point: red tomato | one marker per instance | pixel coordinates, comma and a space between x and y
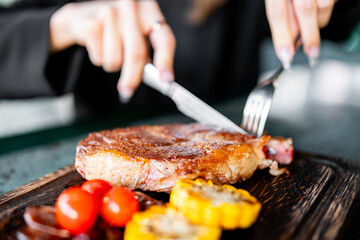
96, 187
118, 205
76, 210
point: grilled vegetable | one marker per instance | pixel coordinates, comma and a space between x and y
214, 205
165, 222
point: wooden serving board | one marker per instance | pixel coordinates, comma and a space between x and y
313, 202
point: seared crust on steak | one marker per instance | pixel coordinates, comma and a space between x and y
152, 158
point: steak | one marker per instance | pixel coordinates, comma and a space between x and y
152, 158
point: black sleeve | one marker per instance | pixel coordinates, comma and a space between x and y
26, 67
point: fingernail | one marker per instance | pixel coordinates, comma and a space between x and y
125, 95
313, 55
285, 58
167, 76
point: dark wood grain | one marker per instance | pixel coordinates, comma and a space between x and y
43, 191
311, 203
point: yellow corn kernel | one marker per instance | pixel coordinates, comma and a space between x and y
213, 205
165, 222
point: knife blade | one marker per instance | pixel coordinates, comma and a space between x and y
188, 103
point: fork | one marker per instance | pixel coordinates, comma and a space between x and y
259, 101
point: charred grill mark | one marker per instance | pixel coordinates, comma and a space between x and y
161, 142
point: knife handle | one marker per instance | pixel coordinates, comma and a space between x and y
151, 78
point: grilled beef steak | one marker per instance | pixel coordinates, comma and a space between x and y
152, 158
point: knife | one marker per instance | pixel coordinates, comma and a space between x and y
187, 102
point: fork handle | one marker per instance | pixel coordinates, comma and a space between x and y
280, 68
298, 42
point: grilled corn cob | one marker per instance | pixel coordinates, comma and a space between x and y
165, 222
214, 205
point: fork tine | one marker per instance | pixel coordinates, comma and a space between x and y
246, 112
256, 106
250, 114
257, 116
255, 113
263, 118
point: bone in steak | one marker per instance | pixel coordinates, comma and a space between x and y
152, 158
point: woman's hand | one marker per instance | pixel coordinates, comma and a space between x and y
114, 34
288, 18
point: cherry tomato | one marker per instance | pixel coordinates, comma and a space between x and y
118, 205
96, 187
76, 210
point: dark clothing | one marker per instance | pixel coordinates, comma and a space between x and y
216, 59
